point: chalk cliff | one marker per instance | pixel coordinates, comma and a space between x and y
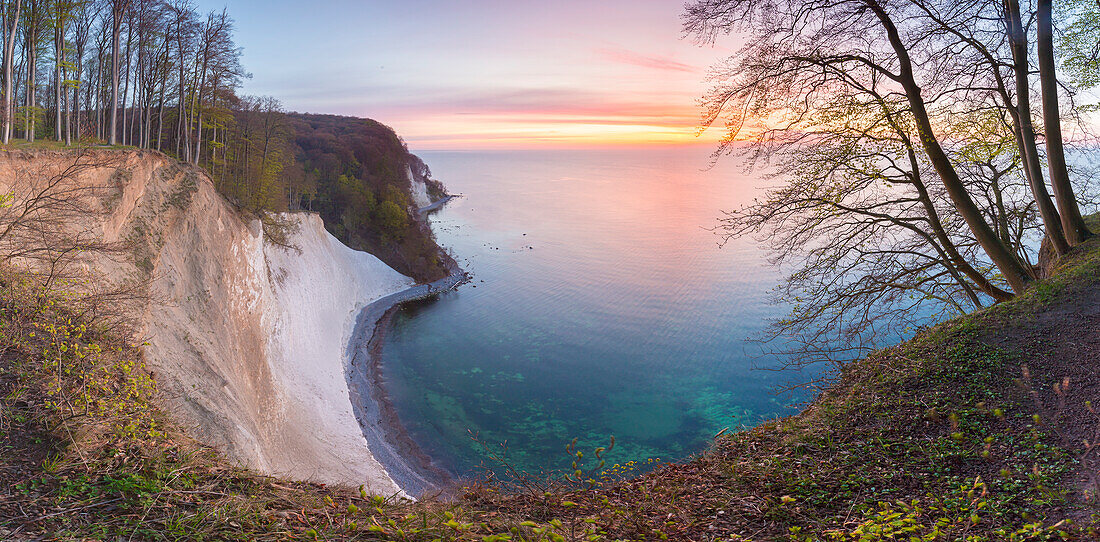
247, 340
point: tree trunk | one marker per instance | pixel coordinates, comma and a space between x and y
59, 58
163, 89
1015, 274
160, 111
99, 98
127, 135
74, 105
214, 150
202, 110
9, 55
116, 27
1072, 222
182, 91
31, 102
1032, 167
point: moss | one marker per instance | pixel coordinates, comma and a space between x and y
181, 197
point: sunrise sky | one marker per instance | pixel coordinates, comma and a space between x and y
483, 73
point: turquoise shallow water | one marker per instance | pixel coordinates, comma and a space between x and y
601, 305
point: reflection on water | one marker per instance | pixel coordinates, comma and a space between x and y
601, 305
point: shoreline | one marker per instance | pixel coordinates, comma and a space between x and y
387, 437
424, 211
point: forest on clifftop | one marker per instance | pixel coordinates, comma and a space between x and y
161, 75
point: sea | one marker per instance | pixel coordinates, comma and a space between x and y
604, 304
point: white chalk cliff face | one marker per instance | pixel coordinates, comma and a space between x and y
420, 195
247, 340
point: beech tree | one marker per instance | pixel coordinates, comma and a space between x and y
118, 11
32, 33
132, 72
968, 29
217, 69
257, 154
83, 19
1022, 110
1072, 221
11, 25
902, 134
801, 50
61, 14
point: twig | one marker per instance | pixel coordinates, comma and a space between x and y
93, 505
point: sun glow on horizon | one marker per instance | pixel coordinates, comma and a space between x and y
528, 131
488, 73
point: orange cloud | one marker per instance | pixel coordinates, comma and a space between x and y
527, 130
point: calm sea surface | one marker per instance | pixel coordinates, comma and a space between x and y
601, 305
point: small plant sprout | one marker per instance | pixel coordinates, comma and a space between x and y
579, 475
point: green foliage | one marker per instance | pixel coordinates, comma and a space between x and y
1079, 41
960, 514
350, 170
357, 171
257, 151
392, 219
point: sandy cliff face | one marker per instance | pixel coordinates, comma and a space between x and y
247, 340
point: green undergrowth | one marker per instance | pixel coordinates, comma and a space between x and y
85, 454
53, 144
938, 438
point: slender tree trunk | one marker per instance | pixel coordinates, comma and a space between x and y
21, 84
198, 131
116, 28
99, 98
208, 37
182, 93
1011, 268
214, 148
1002, 216
68, 114
71, 104
76, 106
202, 110
188, 148
9, 50
144, 67
160, 112
163, 78
1032, 167
1072, 222
59, 58
126, 135
5, 18
32, 71
68, 119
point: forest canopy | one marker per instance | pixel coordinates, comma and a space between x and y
356, 173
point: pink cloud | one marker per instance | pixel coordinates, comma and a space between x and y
656, 62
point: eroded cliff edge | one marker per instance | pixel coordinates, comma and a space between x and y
247, 340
